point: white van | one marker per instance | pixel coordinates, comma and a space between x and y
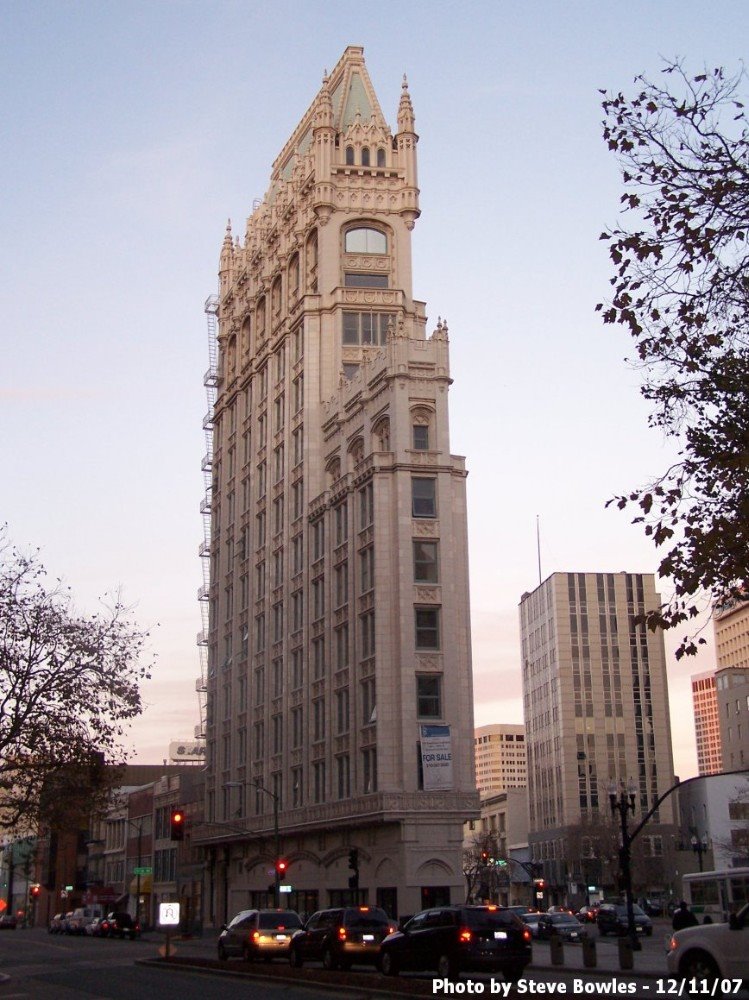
76, 922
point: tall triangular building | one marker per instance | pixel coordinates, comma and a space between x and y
339, 718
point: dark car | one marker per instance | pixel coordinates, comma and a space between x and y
121, 924
565, 925
587, 914
258, 934
7, 922
612, 919
455, 939
531, 920
341, 936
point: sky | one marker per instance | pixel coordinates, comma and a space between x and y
130, 132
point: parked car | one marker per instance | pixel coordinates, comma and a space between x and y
121, 925
56, 924
455, 939
98, 927
566, 925
612, 919
341, 936
67, 922
532, 919
587, 914
713, 952
8, 922
258, 933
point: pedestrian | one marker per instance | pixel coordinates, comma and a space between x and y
683, 917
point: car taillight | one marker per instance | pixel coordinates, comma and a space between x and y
464, 935
392, 929
527, 935
341, 933
256, 935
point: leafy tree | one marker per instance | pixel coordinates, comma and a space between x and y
681, 289
68, 683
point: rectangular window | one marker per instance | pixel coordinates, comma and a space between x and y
342, 711
259, 686
278, 413
366, 328
278, 622
341, 523
278, 464
297, 728
297, 610
427, 628
341, 584
369, 770
297, 787
297, 441
297, 500
318, 540
341, 647
420, 437
425, 562
298, 389
259, 633
366, 506
343, 768
318, 771
423, 497
318, 598
261, 479
366, 569
368, 701
318, 719
297, 669
259, 740
277, 733
351, 280
429, 696
278, 568
367, 635
260, 530
318, 658
278, 515
297, 555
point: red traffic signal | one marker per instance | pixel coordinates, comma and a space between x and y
34, 891
177, 824
281, 866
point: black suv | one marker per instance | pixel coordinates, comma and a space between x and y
121, 924
342, 936
454, 939
612, 918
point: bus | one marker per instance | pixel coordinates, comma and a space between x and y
716, 894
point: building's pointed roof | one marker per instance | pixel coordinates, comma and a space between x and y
351, 93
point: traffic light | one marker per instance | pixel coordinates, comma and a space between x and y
353, 859
34, 891
177, 824
540, 884
281, 867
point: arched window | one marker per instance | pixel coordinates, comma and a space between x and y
380, 157
232, 357
382, 434
246, 336
365, 156
365, 240
311, 262
260, 319
421, 429
293, 279
349, 156
275, 297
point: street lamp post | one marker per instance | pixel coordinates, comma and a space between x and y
699, 846
622, 800
276, 833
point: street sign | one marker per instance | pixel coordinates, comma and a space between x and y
68, 888
143, 871
286, 888
169, 914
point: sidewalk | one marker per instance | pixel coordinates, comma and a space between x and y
651, 961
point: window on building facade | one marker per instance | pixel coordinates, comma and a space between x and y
368, 701
426, 566
318, 773
420, 434
366, 240
423, 497
342, 711
380, 157
343, 769
297, 786
366, 506
366, 569
297, 669
318, 719
341, 523
318, 598
341, 584
369, 770
367, 280
277, 723
297, 727
365, 156
341, 646
367, 623
318, 658
367, 329
429, 696
427, 627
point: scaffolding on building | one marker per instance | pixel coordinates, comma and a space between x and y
210, 381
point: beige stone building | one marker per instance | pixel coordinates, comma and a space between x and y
596, 711
706, 723
339, 697
500, 757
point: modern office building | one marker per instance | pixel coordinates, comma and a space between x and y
339, 697
596, 715
706, 723
500, 757
731, 626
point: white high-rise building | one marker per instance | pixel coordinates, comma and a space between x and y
500, 757
339, 698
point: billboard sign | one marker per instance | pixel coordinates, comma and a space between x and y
181, 751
